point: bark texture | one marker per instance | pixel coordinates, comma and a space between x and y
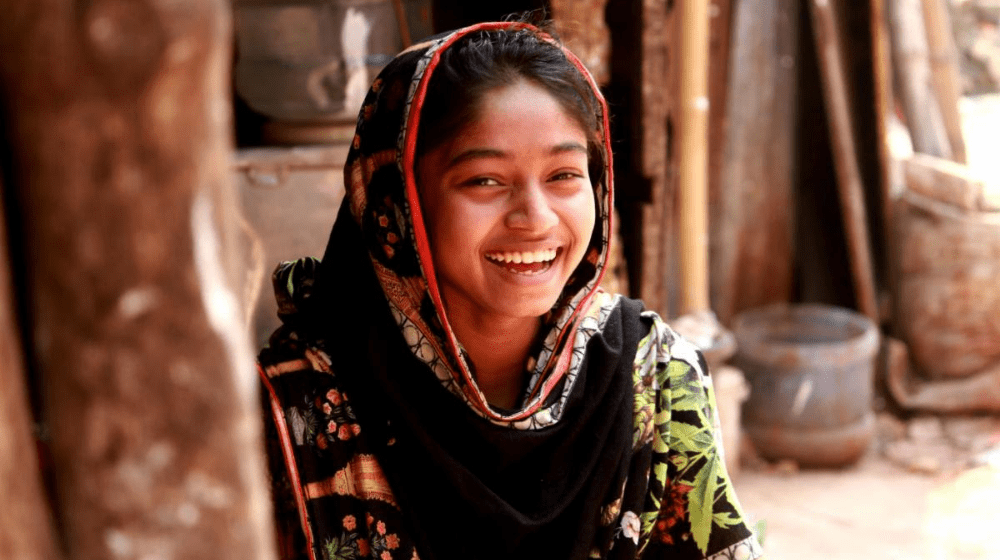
120, 128
25, 521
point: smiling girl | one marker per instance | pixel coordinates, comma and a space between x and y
450, 381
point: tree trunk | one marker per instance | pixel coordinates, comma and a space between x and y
121, 141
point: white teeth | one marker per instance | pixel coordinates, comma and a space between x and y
527, 257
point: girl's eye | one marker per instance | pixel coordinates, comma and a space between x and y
566, 176
482, 182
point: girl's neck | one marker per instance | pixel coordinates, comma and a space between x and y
498, 348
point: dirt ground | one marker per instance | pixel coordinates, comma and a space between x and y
927, 489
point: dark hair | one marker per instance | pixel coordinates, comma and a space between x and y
485, 60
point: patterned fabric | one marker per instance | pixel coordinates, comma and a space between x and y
381, 445
381, 185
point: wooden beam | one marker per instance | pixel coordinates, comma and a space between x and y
911, 61
659, 93
943, 55
121, 138
882, 86
849, 184
718, 94
25, 520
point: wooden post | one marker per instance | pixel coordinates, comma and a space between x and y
121, 138
882, 81
751, 214
849, 185
944, 73
693, 157
659, 58
25, 521
910, 54
718, 95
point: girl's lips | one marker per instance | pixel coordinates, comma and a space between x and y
524, 257
526, 269
525, 263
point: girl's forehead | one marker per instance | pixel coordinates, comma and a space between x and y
519, 114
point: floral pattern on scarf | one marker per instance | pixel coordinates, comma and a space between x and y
381, 187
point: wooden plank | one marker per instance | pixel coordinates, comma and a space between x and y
692, 176
121, 138
910, 53
849, 183
943, 55
882, 82
718, 81
658, 93
949, 182
26, 531
751, 216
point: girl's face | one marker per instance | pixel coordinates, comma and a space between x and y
509, 206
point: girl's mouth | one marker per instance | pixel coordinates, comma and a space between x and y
528, 263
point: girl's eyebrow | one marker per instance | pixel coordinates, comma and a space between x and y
570, 147
477, 153
491, 153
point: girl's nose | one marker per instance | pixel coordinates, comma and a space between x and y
532, 211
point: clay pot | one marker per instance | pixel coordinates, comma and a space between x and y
810, 369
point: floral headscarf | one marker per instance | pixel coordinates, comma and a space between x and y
384, 201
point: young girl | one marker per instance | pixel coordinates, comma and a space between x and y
450, 381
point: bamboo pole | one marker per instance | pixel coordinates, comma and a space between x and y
693, 156
121, 138
943, 56
849, 184
25, 520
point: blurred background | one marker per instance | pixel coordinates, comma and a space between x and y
810, 191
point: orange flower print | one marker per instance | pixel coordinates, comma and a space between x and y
386, 555
672, 512
333, 396
392, 541
321, 441
391, 238
380, 527
350, 523
363, 548
383, 221
327, 409
331, 428
369, 519
345, 432
356, 429
389, 251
